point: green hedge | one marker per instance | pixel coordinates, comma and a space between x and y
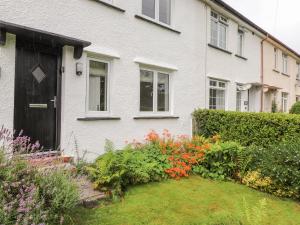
295, 108
261, 129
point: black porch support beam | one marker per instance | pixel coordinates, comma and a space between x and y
78, 50
2, 36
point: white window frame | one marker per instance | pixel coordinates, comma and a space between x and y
218, 88
284, 63
98, 113
156, 13
155, 79
221, 20
283, 100
275, 58
241, 42
238, 100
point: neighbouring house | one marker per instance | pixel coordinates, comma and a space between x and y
281, 74
75, 73
232, 60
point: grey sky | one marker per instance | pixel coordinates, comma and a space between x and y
281, 18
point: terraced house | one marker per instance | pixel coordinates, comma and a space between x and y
281, 74
84, 71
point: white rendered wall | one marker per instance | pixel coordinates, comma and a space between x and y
7, 80
130, 38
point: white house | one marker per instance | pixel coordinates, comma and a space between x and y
75, 73
232, 60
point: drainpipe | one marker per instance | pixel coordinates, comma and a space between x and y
262, 72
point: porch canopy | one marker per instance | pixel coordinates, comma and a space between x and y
42, 37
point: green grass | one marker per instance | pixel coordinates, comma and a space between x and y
192, 201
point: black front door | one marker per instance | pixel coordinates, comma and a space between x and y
36, 92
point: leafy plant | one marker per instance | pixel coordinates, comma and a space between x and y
278, 163
115, 170
295, 108
220, 162
59, 193
260, 129
29, 195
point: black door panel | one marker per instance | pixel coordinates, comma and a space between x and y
35, 90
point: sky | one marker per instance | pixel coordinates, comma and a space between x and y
281, 18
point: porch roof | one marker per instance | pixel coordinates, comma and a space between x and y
41, 36
270, 88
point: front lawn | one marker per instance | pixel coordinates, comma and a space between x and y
191, 201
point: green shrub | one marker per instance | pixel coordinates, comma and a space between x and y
261, 129
58, 192
220, 162
295, 108
115, 170
280, 163
29, 196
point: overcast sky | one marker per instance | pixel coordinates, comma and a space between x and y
281, 18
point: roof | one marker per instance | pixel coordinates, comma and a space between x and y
252, 24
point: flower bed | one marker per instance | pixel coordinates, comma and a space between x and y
160, 157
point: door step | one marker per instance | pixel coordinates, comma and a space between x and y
89, 197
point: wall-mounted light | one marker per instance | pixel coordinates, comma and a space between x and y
79, 69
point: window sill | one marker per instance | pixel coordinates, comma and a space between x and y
98, 118
221, 49
275, 70
144, 18
285, 74
155, 117
241, 57
111, 6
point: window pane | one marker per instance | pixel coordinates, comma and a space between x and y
220, 99
212, 98
275, 58
148, 8
214, 32
213, 83
97, 86
238, 100
165, 11
222, 35
240, 42
146, 91
222, 84
284, 102
162, 92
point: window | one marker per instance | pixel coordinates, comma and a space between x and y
284, 63
217, 94
298, 71
97, 85
238, 100
284, 101
154, 91
240, 42
298, 98
159, 10
275, 58
218, 30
